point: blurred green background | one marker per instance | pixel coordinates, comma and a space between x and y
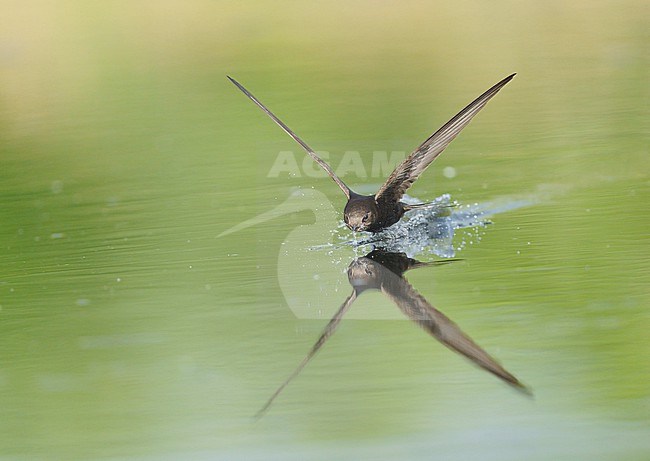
130, 330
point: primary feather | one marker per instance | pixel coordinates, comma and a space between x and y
410, 169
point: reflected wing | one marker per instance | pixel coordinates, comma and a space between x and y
410, 169
416, 308
327, 332
309, 150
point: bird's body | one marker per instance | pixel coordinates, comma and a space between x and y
373, 213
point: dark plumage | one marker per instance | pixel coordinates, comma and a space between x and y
372, 213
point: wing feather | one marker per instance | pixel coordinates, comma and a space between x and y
410, 169
303, 144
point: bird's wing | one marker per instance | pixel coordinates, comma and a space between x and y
438, 325
309, 150
410, 169
325, 335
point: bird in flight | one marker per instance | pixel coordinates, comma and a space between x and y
373, 213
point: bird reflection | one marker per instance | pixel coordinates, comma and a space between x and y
384, 271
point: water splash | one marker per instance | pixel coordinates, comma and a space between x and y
432, 230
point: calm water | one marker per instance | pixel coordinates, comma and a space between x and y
133, 326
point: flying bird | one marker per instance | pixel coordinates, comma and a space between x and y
372, 213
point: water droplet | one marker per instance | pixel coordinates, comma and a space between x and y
449, 172
57, 186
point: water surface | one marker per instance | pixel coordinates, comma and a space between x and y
130, 328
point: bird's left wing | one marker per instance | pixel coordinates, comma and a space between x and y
410, 169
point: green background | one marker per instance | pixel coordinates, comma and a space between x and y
130, 330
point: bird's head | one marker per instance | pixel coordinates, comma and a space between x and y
360, 214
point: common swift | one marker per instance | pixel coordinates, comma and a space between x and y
384, 271
372, 213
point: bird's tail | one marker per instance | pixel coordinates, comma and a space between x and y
429, 205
